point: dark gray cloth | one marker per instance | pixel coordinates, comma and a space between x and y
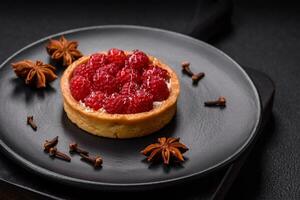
266, 37
25, 22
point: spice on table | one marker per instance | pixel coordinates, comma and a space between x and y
221, 102
31, 123
186, 68
195, 77
53, 152
63, 50
35, 73
166, 148
73, 147
50, 143
95, 161
198, 77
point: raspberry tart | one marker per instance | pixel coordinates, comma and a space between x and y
120, 94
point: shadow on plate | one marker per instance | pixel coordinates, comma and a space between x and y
19, 88
109, 146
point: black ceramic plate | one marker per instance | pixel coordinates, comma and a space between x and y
215, 136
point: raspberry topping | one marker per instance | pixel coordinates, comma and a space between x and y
111, 68
117, 103
129, 88
80, 87
157, 87
128, 74
116, 56
155, 71
95, 100
119, 83
142, 102
84, 70
97, 60
138, 60
104, 82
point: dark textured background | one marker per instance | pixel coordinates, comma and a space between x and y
265, 35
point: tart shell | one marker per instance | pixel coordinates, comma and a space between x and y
119, 125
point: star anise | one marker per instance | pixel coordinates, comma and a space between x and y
63, 50
166, 148
36, 74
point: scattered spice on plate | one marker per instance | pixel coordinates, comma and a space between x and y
50, 143
220, 102
35, 73
31, 123
96, 161
166, 148
73, 148
53, 152
195, 77
63, 50
50, 148
186, 68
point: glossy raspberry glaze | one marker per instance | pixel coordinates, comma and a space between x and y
119, 83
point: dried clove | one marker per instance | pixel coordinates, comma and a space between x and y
198, 77
53, 152
73, 147
31, 123
186, 68
50, 143
195, 77
221, 102
95, 161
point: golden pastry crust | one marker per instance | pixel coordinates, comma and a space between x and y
119, 125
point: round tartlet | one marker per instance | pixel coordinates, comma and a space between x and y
120, 125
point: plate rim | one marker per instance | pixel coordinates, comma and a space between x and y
46, 173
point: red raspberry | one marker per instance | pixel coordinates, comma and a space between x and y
97, 60
80, 87
126, 64
116, 56
138, 59
113, 82
84, 70
142, 101
129, 88
111, 68
104, 82
128, 74
95, 100
155, 71
157, 87
117, 104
